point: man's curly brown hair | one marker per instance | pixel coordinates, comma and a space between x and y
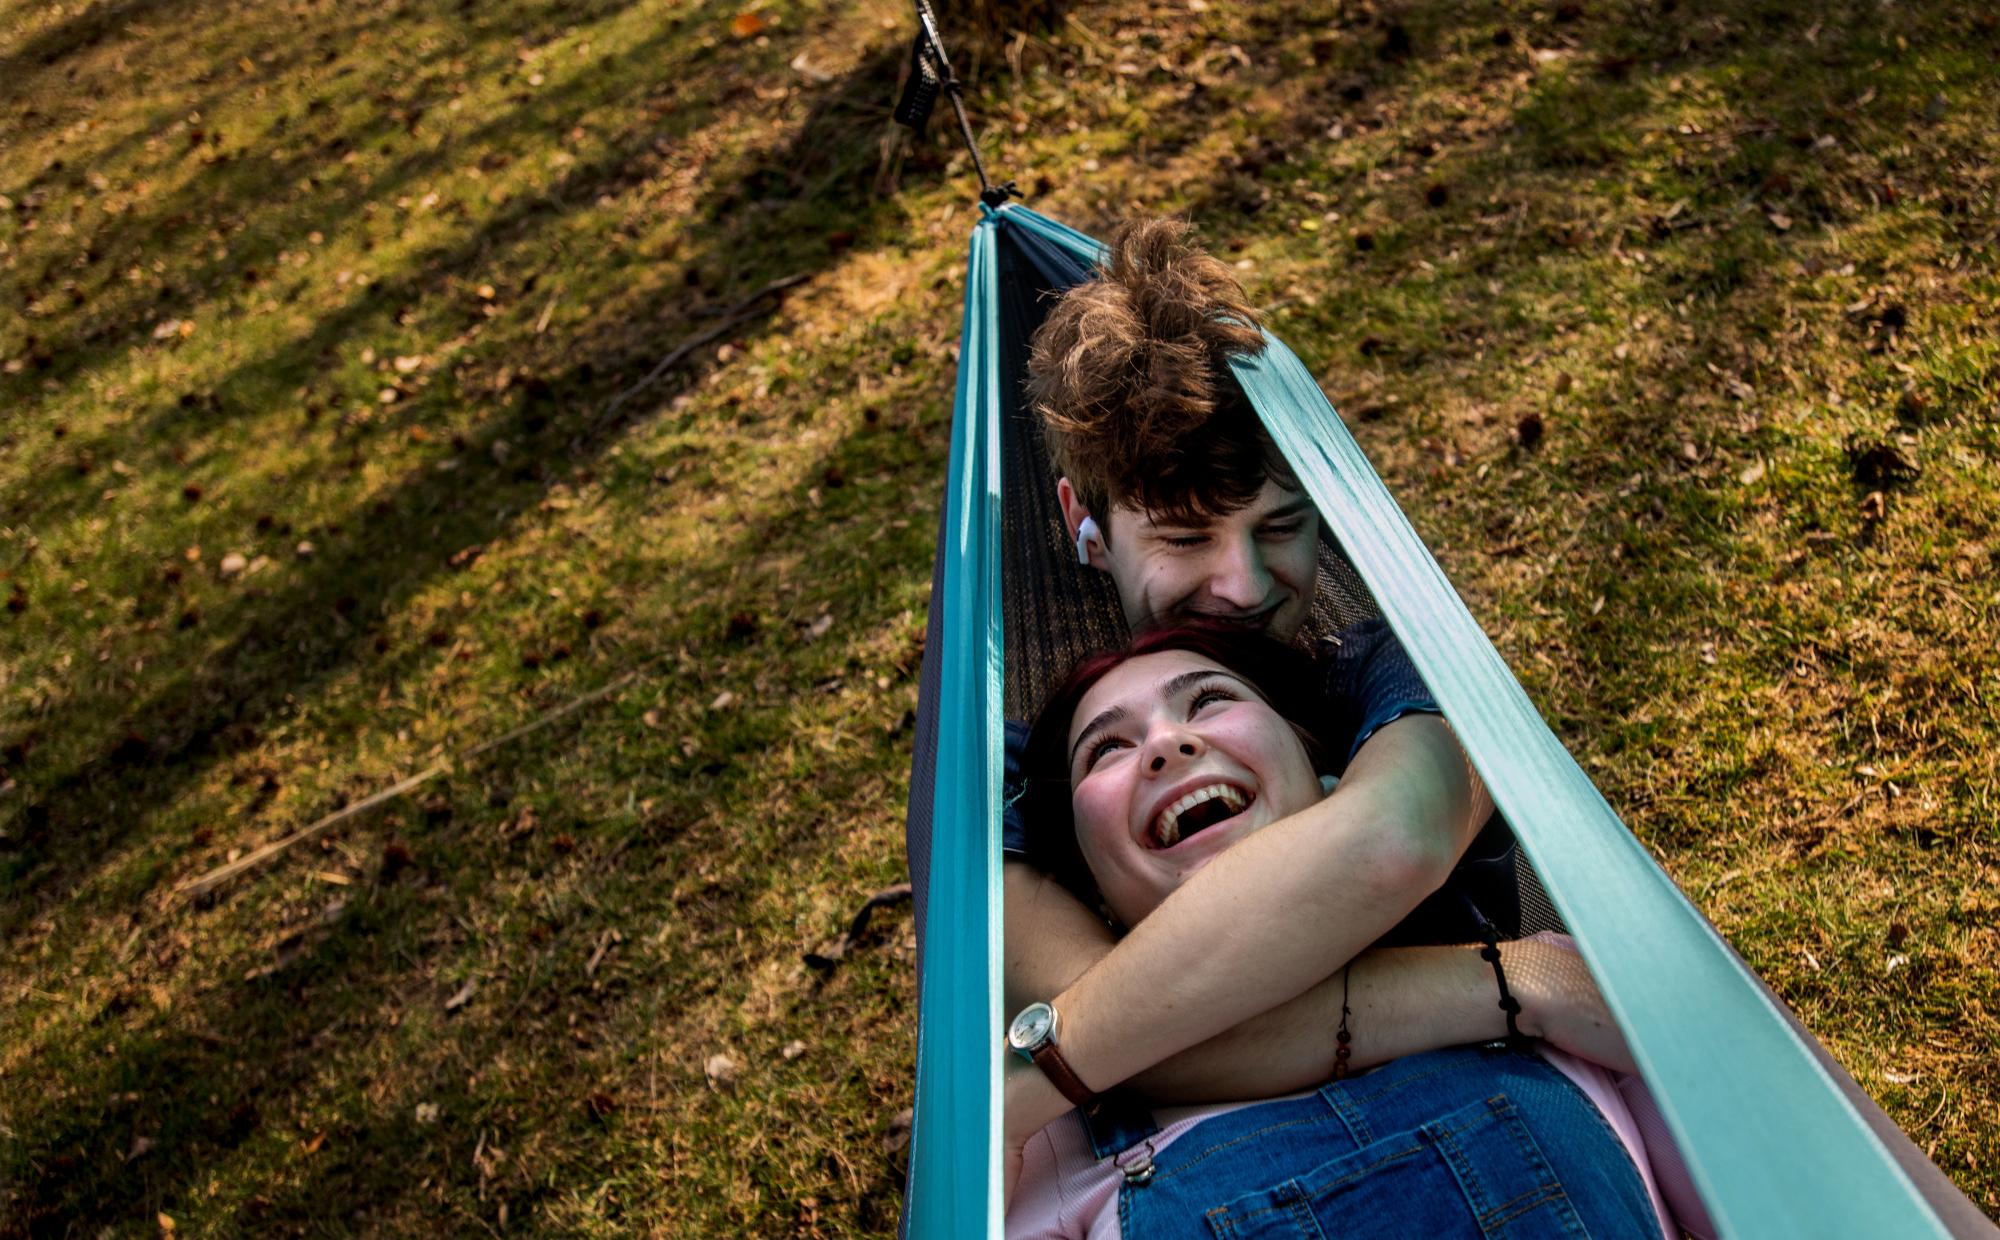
1130, 376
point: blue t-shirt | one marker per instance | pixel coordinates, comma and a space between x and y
1367, 675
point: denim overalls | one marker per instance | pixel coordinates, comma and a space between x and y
1471, 1141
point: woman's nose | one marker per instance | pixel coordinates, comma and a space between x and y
1165, 746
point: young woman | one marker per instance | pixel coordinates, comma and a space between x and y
1147, 765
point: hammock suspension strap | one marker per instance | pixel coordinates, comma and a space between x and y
930, 73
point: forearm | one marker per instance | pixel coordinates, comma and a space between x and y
1402, 1001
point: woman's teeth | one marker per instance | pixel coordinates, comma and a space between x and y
1168, 830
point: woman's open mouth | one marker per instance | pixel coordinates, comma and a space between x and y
1197, 811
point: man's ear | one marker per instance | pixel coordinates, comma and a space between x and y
1073, 511
1083, 530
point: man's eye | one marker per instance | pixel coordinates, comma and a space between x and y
1186, 541
1286, 530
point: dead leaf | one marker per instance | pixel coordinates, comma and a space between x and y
818, 628
723, 701
651, 718
140, 1146
1754, 473
721, 1072
233, 563
809, 71
898, 1134
312, 1144
793, 1049
427, 1113
1779, 220
463, 996
746, 25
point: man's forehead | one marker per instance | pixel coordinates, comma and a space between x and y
1273, 503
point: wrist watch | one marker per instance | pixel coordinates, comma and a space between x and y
1032, 1036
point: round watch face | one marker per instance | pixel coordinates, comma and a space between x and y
1031, 1026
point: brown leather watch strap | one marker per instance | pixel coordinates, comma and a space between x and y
1057, 1069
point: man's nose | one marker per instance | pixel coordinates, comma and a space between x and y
1241, 578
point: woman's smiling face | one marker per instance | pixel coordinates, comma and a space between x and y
1172, 759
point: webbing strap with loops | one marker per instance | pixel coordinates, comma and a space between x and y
1775, 1147
930, 73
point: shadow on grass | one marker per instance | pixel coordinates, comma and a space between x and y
166, 1100
767, 217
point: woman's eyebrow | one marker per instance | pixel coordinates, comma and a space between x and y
1172, 689
1104, 719
1180, 684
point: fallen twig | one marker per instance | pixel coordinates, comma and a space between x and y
208, 882
737, 315
825, 959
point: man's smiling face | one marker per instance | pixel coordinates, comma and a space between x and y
1256, 566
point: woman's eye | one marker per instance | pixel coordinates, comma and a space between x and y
1098, 750
1209, 695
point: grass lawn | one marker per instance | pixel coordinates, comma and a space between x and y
1672, 325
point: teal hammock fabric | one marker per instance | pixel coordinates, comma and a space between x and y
955, 1141
1780, 1143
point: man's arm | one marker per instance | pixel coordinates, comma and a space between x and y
1255, 929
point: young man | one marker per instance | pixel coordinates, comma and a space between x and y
1171, 486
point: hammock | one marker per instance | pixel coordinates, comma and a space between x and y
1779, 1139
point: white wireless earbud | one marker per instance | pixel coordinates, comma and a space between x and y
1086, 530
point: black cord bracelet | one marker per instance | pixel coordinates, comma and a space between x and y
1342, 1038
1491, 954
